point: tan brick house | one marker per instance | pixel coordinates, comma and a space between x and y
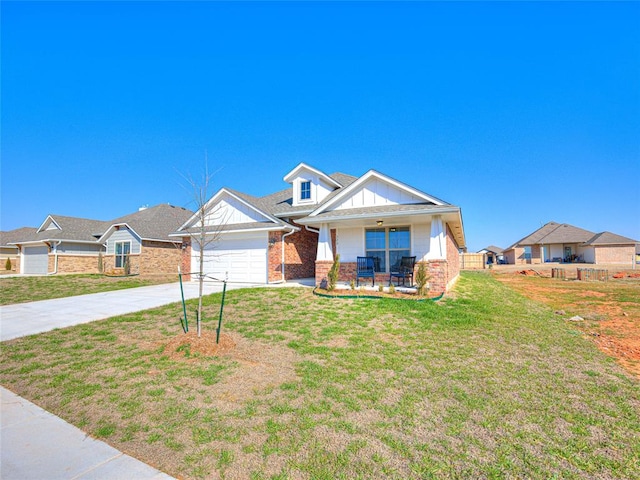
561, 242
78, 245
296, 232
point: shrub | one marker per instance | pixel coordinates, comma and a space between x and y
422, 277
333, 273
392, 289
127, 266
7, 264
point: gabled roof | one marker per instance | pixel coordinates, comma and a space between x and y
555, 233
608, 238
73, 229
154, 223
289, 177
13, 236
332, 200
492, 249
252, 202
280, 204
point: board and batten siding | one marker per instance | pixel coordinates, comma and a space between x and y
230, 211
123, 235
377, 193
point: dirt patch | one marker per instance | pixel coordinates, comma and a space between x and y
258, 366
189, 345
611, 310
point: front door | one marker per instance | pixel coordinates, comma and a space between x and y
567, 253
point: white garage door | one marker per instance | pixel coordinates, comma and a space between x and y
35, 260
243, 257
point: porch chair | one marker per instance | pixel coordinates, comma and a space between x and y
365, 269
403, 271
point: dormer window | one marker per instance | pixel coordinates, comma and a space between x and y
305, 190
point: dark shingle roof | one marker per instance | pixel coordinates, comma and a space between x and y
493, 249
554, 233
73, 228
19, 234
155, 223
608, 238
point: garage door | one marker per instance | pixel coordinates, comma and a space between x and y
243, 258
35, 260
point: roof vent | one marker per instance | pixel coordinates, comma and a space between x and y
143, 207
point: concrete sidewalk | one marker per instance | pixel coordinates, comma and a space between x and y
36, 444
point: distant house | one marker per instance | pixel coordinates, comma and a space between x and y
561, 242
494, 254
78, 245
11, 251
298, 231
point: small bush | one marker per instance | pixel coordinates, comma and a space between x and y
422, 277
381, 288
352, 284
392, 289
7, 264
333, 273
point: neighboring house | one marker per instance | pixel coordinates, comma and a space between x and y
494, 254
296, 232
561, 242
10, 251
78, 245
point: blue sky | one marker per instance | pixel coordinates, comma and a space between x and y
519, 113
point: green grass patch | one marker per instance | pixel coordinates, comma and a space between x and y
30, 289
484, 384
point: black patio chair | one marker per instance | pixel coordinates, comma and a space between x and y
365, 269
403, 271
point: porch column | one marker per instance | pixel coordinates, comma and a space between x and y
324, 244
437, 245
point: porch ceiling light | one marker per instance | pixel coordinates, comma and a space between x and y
379, 222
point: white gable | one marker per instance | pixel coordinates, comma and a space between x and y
319, 185
49, 224
377, 193
229, 210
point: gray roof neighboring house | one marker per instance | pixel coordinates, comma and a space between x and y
563, 233
154, 223
608, 238
492, 249
7, 238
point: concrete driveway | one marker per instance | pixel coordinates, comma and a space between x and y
36, 317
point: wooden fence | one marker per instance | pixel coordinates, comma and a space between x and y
471, 261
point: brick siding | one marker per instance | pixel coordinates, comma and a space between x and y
300, 250
616, 254
74, 263
159, 258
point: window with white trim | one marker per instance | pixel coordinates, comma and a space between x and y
305, 190
122, 250
387, 246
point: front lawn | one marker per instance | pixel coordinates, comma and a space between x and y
30, 289
485, 384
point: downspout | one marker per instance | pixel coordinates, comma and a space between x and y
55, 256
283, 237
